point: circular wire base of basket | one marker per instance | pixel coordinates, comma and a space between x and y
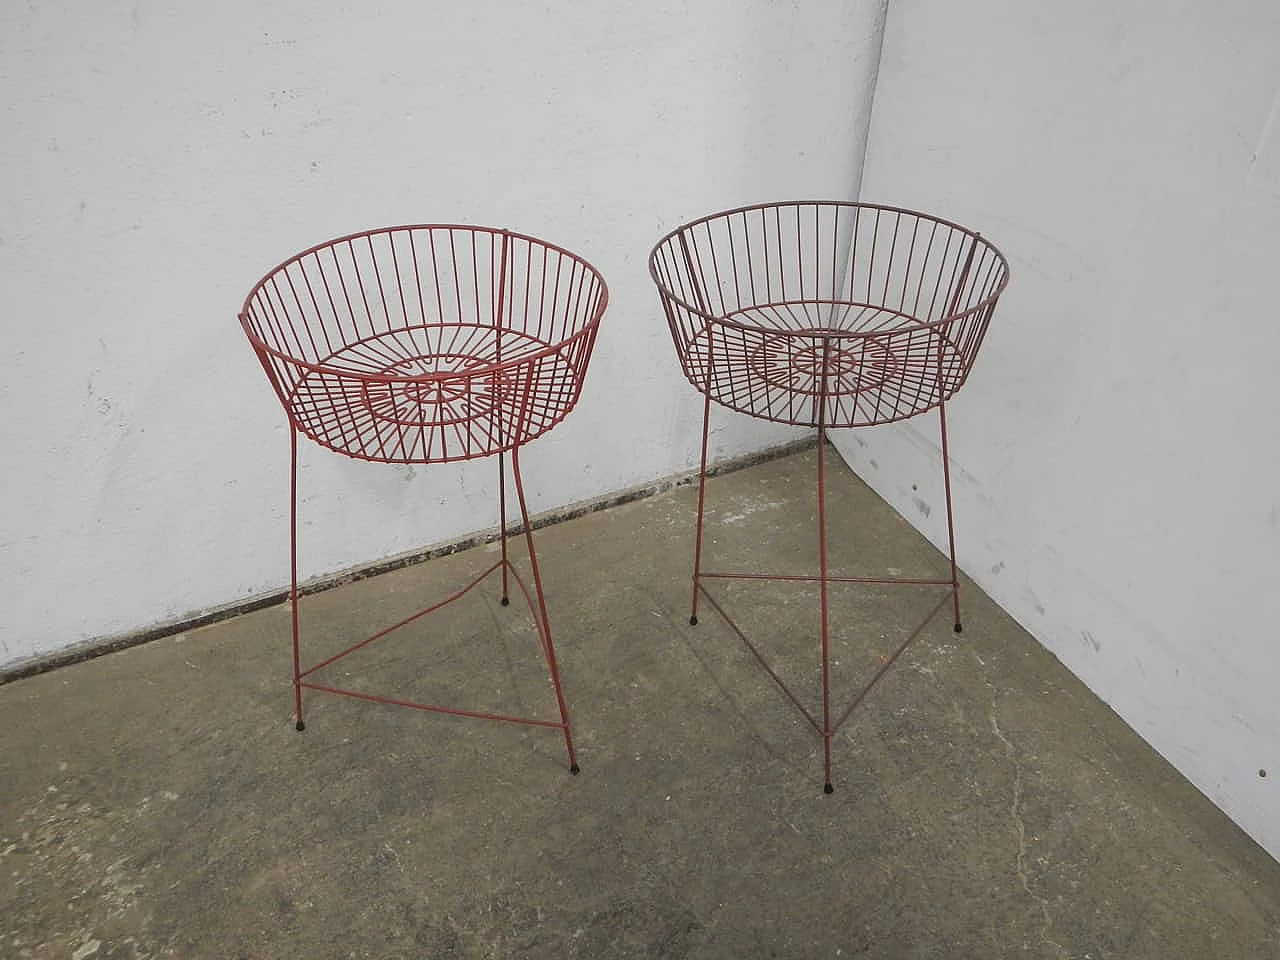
434, 393
779, 362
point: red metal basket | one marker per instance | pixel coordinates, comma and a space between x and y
826, 314
820, 312
429, 343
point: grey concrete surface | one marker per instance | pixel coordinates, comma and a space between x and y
158, 803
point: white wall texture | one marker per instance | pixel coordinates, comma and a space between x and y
1117, 469
157, 159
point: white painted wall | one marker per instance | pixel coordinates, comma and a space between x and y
1118, 481
158, 158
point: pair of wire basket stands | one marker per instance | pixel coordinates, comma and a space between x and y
438, 343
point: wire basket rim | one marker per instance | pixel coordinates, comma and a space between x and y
819, 333
491, 369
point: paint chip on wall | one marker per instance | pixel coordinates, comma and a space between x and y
1264, 169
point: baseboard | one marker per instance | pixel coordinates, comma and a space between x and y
100, 646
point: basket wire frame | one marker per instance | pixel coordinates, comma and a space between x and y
828, 315
429, 343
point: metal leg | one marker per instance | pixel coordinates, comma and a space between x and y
544, 623
702, 498
502, 526
951, 528
823, 596
293, 574
823, 602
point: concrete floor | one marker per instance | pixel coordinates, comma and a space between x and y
158, 802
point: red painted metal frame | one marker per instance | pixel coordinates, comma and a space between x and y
830, 315
428, 343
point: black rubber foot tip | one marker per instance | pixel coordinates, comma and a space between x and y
575, 769
299, 726
693, 621
828, 788
959, 628
506, 601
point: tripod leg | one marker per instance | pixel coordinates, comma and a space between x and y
544, 623
293, 575
823, 602
502, 525
702, 499
951, 528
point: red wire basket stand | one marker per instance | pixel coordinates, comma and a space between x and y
827, 315
428, 344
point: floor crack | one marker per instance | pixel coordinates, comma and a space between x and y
1015, 812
